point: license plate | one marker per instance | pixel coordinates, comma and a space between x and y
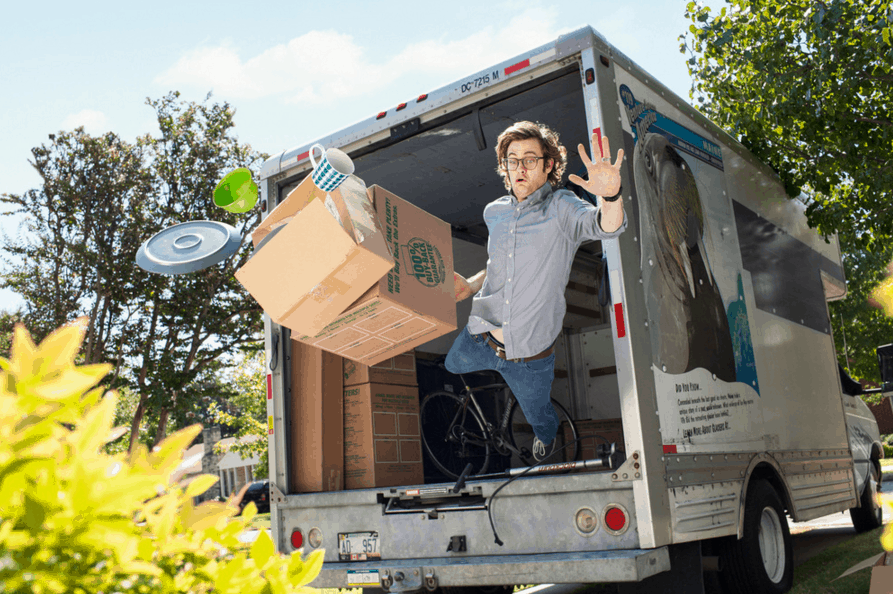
359, 546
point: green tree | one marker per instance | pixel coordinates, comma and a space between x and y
79, 227
191, 322
245, 410
806, 86
100, 199
8, 322
859, 327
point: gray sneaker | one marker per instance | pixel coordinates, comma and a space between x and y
540, 449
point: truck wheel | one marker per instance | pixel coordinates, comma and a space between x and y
870, 515
762, 561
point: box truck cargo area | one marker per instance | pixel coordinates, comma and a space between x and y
698, 342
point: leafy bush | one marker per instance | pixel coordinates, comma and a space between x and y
888, 451
75, 519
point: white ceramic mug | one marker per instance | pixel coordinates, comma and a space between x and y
333, 167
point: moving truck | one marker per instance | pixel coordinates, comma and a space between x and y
710, 352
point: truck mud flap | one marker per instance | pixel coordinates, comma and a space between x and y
409, 575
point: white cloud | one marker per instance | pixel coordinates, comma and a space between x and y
94, 122
324, 66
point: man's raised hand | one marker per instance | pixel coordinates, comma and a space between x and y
604, 178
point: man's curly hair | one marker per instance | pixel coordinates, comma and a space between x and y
552, 149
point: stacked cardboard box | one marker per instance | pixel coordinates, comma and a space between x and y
317, 413
382, 441
610, 429
400, 370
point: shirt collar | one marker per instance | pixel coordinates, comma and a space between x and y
540, 194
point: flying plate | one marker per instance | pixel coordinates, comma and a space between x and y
188, 247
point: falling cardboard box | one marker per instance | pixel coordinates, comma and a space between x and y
315, 255
412, 304
382, 441
608, 430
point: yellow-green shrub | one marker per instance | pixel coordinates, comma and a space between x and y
74, 519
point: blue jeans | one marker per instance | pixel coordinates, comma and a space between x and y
530, 382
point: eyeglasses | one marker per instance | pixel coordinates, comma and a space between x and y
529, 163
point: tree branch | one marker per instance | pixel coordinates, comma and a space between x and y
873, 121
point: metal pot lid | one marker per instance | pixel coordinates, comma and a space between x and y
188, 247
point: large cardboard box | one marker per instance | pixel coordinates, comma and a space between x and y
382, 441
398, 370
315, 255
413, 303
610, 429
317, 412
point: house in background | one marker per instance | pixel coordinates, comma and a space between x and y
233, 471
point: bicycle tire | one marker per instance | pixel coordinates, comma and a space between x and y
521, 435
451, 456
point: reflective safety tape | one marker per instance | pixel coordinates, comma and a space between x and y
618, 315
530, 61
617, 293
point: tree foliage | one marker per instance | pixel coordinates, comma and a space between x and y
78, 520
100, 199
8, 322
860, 327
807, 86
246, 410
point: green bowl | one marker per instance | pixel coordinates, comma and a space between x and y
236, 192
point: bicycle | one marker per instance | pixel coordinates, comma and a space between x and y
455, 431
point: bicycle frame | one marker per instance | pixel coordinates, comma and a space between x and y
496, 435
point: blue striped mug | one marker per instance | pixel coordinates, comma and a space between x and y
333, 167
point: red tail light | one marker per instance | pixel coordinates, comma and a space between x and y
297, 539
616, 519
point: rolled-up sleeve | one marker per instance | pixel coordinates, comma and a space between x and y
580, 220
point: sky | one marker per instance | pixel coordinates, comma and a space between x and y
294, 71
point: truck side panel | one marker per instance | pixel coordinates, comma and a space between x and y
735, 308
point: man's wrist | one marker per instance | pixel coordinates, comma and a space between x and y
615, 197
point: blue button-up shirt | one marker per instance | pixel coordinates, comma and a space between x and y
531, 248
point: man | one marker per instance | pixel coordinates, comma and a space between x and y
535, 231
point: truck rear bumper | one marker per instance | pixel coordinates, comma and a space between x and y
630, 565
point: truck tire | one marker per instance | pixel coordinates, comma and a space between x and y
762, 561
870, 515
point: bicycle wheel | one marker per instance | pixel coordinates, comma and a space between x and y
522, 436
454, 434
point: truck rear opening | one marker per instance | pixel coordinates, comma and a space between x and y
447, 167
